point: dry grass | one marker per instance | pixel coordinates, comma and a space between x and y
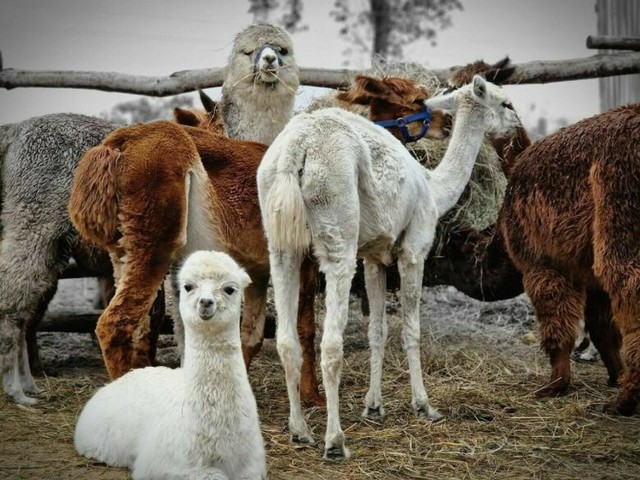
481, 369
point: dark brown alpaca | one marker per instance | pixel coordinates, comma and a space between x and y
570, 221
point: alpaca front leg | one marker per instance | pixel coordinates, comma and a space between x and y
411, 268
376, 285
338, 275
285, 276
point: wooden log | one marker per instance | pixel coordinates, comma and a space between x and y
600, 65
82, 321
611, 42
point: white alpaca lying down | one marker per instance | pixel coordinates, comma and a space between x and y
195, 422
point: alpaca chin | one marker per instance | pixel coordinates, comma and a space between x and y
268, 77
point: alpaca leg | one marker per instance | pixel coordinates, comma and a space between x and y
30, 264
173, 291
253, 315
559, 307
24, 370
376, 284
123, 327
156, 320
338, 270
285, 276
411, 268
603, 333
307, 333
35, 364
626, 312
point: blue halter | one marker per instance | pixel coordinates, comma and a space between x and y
401, 123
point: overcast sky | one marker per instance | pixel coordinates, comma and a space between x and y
158, 37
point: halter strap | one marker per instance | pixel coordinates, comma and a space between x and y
401, 123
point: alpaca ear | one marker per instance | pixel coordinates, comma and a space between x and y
479, 86
185, 117
208, 104
243, 279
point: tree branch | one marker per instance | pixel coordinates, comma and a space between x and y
601, 65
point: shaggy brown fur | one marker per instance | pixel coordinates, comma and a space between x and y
496, 73
570, 221
109, 207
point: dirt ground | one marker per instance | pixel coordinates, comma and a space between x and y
482, 366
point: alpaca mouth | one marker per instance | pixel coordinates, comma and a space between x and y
268, 75
206, 313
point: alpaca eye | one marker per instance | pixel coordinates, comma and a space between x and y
248, 52
229, 290
507, 105
187, 287
283, 51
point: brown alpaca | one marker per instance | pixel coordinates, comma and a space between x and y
570, 221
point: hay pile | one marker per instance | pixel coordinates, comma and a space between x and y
481, 370
481, 200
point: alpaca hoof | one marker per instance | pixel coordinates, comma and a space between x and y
373, 413
553, 389
335, 454
23, 399
35, 390
303, 439
624, 408
425, 411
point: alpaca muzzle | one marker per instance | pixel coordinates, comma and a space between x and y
206, 308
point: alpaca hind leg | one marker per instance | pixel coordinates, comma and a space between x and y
123, 327
33, 352
626, 311
173, 303
603, 333
559, 307
253, 315
307, 333
338, 269
376, 284
285, 276
30, 264
156, 321
411, 268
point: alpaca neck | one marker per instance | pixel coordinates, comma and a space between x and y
448, 180
214, 371
477, 264
257, 114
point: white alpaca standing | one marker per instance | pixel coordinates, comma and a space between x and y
195, 422
338, 183
260, 84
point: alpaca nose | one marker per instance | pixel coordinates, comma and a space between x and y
206, 308
269, 58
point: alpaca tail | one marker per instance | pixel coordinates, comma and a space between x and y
93, 206
284, 210
201, 233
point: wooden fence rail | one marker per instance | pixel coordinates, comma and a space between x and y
600, 65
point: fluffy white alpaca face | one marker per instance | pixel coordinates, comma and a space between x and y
211, 286
503, 117
498, 109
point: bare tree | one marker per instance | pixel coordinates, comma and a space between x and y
383, 28
393, 24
